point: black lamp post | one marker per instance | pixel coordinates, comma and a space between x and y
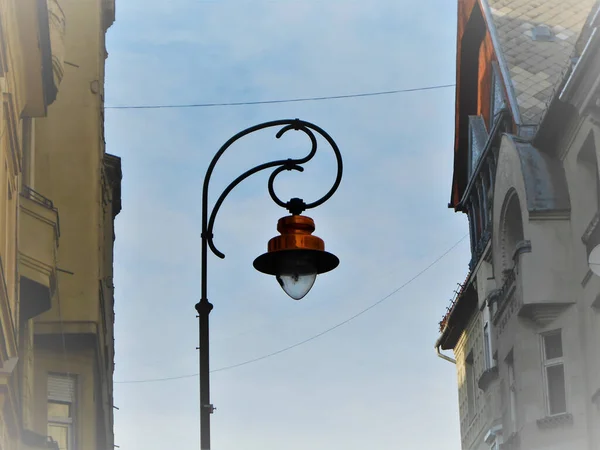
295, 257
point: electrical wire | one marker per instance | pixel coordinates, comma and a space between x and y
312, 338
289, 100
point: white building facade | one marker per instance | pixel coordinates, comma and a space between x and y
525, 326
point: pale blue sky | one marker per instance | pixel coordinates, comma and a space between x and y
374, 383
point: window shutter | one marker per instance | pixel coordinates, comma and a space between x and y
61, 388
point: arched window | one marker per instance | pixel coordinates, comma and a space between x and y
511, 231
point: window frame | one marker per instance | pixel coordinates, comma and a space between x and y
553, 362
59, 421
487, 346
66, 422
471, 387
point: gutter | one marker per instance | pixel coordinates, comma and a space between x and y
510, 90
577, 71
441, 355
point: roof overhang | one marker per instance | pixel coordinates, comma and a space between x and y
112, 164
458, 317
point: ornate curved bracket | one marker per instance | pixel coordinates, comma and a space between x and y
295, 205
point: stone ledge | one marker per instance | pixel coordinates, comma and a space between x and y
487, 378
555, 421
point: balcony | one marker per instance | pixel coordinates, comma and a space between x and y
532, 289
38, 242
57, 22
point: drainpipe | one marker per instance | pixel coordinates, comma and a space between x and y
442, 356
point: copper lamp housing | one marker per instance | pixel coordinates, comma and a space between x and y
296, 256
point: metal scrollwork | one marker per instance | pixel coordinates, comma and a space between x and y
295, 205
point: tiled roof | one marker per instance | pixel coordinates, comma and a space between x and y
536, 66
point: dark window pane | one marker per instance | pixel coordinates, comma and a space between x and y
556, 389
553, 345
471, 391
498, 99
478, 137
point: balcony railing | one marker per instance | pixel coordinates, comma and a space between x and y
40, 199
29, 193
480, 246
478, 195
457, 294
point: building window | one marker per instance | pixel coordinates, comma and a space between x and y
478, 137
61, 405
554, 373
471, 386
498, 103
28, 148
487, 346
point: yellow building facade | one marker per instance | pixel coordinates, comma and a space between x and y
59, 195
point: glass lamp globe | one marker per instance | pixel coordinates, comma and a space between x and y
296, 257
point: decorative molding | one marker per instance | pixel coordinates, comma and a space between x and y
555, 421
558, 214
502, 317
543, 314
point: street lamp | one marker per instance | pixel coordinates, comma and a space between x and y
295, 257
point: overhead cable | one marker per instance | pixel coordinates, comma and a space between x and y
312, 338
289, 100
